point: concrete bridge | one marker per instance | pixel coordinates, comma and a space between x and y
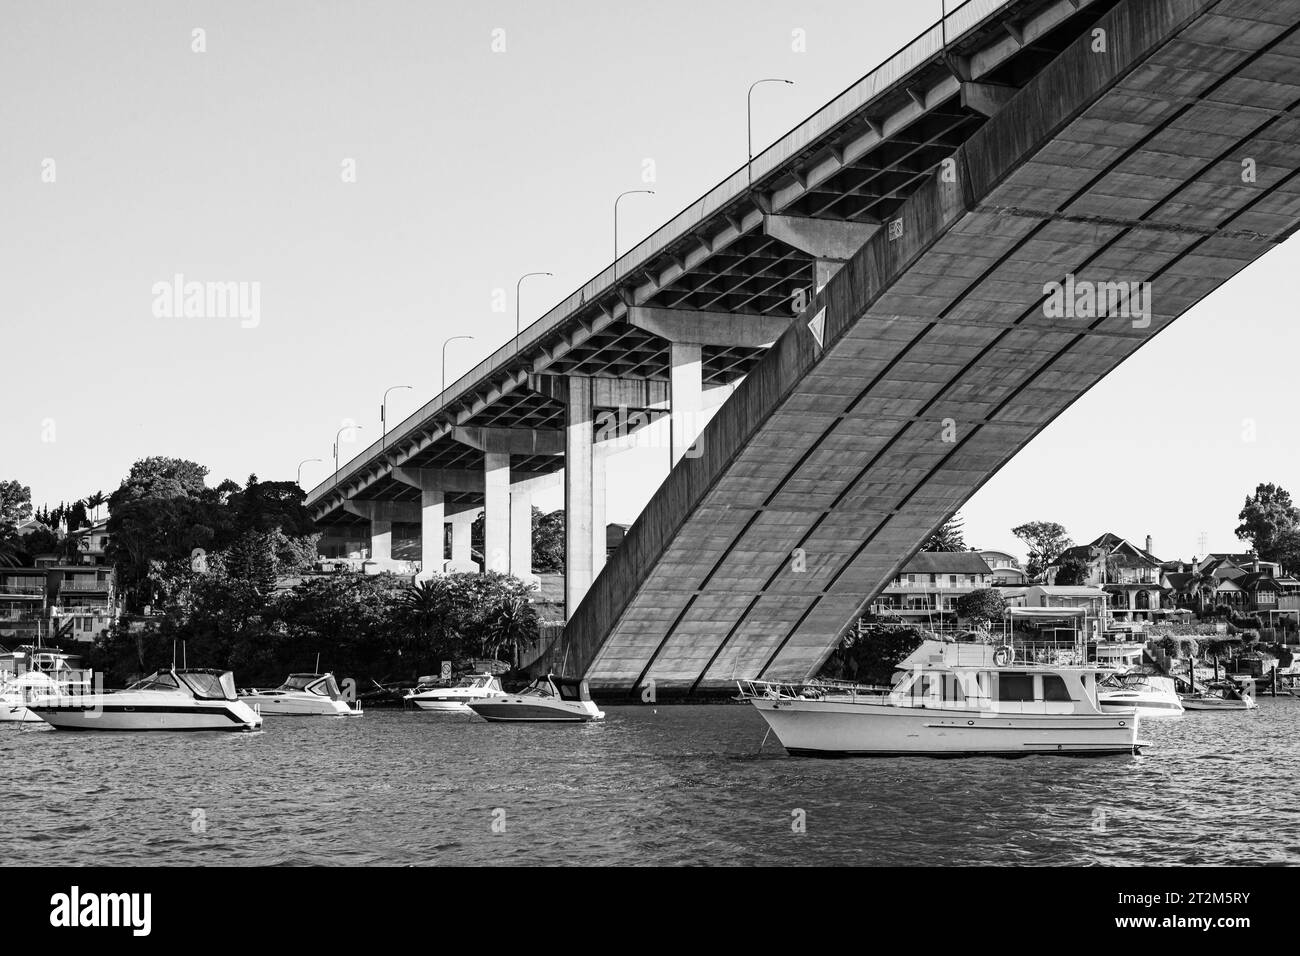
897, 297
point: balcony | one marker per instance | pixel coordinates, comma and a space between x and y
85, 586
12, 586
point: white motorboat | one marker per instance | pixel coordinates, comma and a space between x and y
951, 700
548, 699
169, 699
1221, 696
1151, 694
32, 672
457, 698
302, 695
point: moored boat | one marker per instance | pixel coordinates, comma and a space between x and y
457, 698
548, 699
168, 700
1151, 694
32, 672
302, 695
1220, 696
950, 700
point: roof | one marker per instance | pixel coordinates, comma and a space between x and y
1179, 580
1258, 581
946, 562
1110, 543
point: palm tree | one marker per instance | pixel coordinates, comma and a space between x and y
10, 551
515, 622
93, 502
424, 616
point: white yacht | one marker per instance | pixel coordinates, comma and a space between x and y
950, 700
1151, 694
457, 698
170, 699
548, 699
302, 695
32, 672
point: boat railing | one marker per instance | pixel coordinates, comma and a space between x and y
808, 690
1047, 654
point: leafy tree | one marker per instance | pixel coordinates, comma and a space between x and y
15, 503
1269, 522
982, 606
947, 538
161, 477
1045, 541
872, 655
1072, 571
548, 542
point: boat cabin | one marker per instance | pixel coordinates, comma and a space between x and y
563, 688
322, 685
200, 683
977, 676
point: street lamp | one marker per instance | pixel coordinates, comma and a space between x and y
443, 387
383, 414
629, 192
517, 285
336, 449
749, 118
300, 464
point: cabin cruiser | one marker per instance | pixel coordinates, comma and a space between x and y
302, 695
548, 699
169, 699
1151, 694
457, 698
1220, 696
951, 700
32, 672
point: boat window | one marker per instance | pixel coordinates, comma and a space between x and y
1054, 688
1012, 686
158, 681
298, 682
206, 686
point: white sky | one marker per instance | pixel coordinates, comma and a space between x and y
472, 168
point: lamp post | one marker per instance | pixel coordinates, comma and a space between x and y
300, 464
749, 118
336, 449
629, 192
518, 328
442, 387
383, 414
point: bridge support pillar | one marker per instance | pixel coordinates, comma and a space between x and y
461, 557
686, 375
579, 472
382, 515
496, 511
381, 540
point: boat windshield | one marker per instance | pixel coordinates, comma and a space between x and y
160, 680
538, 688
210, 685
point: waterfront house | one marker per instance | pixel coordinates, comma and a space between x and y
1007, 571
1132, 577
926, 590
22, 605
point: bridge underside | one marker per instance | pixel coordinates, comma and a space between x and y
941, 355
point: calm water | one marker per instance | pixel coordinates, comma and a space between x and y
677, 785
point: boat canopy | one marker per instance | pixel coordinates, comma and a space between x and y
570, 688
323, 685
202, 683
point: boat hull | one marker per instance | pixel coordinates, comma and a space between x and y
833, 729
535, 713
1147, 708
14, 712
1211, 704
228, 716
443, 706
272, 705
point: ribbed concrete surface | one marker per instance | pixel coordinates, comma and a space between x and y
1117, 166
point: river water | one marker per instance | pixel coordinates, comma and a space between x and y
651, 785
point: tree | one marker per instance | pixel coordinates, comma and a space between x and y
94, 502
548, 542
947, 538
1045, 541
15, 503
981, 606
161, 477
1072, 571
1269, 521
